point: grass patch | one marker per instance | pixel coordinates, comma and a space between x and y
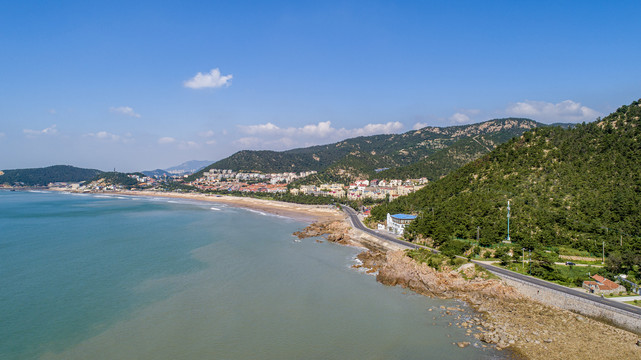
620, 295
481, 270
570, 276
573, 252
428, 257
634, 302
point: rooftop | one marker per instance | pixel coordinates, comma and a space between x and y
404, 217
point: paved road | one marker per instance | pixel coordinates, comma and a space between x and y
635, 310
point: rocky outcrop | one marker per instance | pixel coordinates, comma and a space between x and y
335, 231
507, 319
400, 269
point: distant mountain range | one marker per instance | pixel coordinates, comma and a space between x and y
67, 173
428, 152
46, 175
186, 168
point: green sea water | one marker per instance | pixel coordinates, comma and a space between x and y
107, 277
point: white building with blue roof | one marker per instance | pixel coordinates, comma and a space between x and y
396, 223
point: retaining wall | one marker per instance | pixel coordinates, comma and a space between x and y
625, 320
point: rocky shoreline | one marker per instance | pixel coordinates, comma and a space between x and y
506, 319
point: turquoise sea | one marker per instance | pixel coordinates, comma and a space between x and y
109, 277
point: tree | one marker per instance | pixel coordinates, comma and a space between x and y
614, 262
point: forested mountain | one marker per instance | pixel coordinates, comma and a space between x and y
451, 158
46, 175
359, 157
579, 187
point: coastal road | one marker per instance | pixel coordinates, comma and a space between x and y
356, 222
618, 306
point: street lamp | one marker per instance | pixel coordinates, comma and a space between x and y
508, 223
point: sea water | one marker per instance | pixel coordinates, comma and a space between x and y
106, 277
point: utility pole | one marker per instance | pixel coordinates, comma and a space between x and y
523, 249
508, 222
478, 228
603, 255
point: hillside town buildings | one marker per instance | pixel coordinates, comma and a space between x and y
364, 189
228, 180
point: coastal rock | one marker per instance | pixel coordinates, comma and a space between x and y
508, 319
336, 231
401, 270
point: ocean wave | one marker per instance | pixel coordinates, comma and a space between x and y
216, 209
267, 214
258, 212
38, 191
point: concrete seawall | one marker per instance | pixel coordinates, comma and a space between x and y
625, 320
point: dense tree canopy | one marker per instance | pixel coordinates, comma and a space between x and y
46, 175
577, 187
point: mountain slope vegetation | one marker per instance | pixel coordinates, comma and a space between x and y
46, 175
577, 187
359, 157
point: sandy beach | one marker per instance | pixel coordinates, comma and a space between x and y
302, 212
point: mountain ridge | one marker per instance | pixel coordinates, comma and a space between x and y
367, 152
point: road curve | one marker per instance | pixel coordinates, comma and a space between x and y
621, 307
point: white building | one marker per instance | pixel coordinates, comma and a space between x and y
396, 223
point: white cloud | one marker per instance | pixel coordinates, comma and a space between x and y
567, 110
52, 111
104, 135
323, 129
371, 129
185, 145
211, 80
206, 134
272, 136
210, 142
419, 125
1, 135
48, 131
260, 128
248, 141
166, 140
124, 110
460, 118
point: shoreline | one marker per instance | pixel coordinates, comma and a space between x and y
301, 212
507, 319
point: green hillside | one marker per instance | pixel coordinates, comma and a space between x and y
46, 175
451, 158
362, 155
578, 187
117, 178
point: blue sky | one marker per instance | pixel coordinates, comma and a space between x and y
144, 85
